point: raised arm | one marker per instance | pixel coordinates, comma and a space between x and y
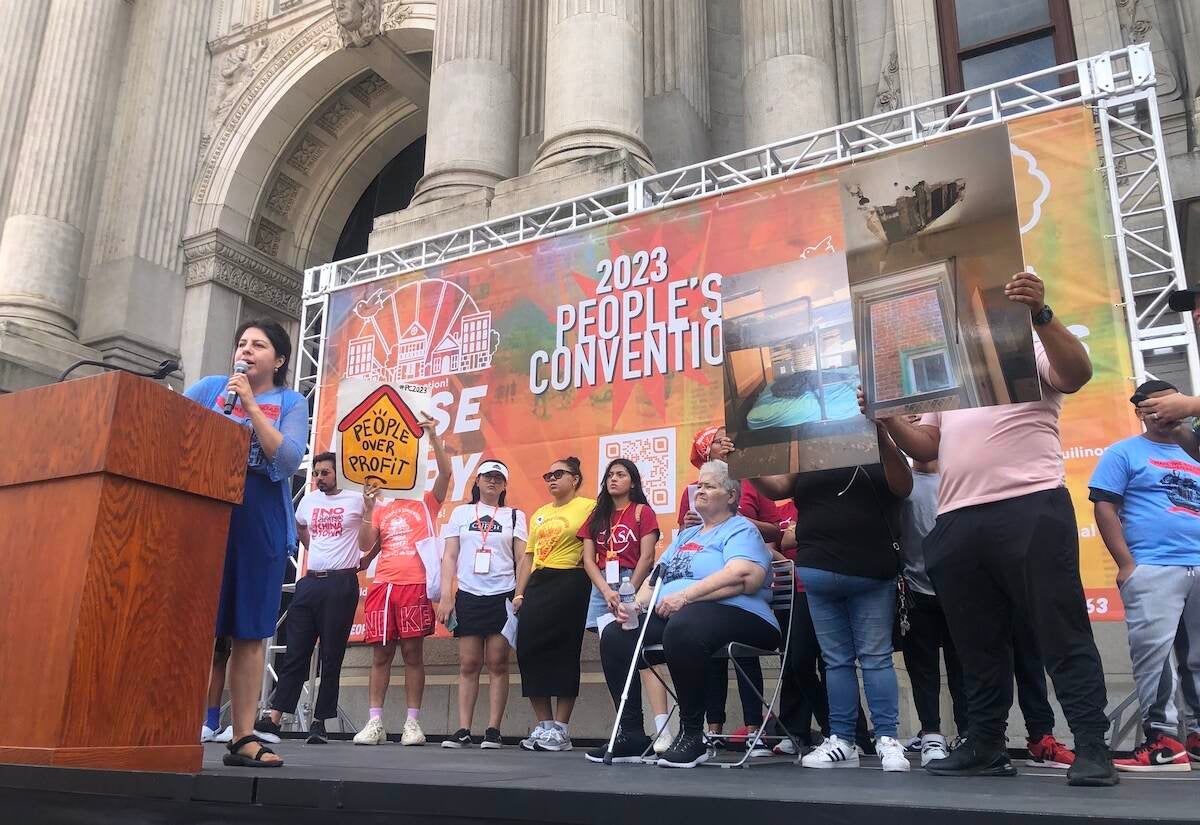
775, 487
1070, 365
441, 485
368, 533
895, 465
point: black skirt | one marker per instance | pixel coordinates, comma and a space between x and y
480, 615
550, 632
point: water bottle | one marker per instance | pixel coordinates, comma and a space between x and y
627, 594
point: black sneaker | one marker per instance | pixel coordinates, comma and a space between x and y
1093, 766
460, 739
491, 740
969, 760
316, 733
267, 730
628, 747
687, 751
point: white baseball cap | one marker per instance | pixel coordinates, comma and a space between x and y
492, 466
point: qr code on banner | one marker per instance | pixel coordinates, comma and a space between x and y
653, 451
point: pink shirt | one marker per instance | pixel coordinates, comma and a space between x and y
1000, 452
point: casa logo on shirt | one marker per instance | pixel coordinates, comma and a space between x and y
622, 537
327, 522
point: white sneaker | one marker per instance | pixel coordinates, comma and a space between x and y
933, 747
553, 739
207, 734
225, 735
891, 754
832, 753
663, 743
411, 733
785, 748
529, 743
373, 733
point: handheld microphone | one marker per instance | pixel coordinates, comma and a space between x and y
238, 369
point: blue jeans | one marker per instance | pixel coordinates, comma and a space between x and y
853, 618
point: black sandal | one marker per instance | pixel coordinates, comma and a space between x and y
233, 759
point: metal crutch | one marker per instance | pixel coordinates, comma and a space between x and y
656, 581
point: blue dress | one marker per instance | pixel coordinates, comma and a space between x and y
262, 529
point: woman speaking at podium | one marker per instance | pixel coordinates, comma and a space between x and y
262, 528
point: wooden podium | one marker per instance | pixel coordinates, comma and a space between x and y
115, 497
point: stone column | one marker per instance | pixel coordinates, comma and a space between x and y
50, 203
474, 99
593, 81
675, 60
790, 68
134, 294
20, 43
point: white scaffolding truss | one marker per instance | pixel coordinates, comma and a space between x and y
1119, 87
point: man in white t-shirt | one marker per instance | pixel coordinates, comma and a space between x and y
327, 522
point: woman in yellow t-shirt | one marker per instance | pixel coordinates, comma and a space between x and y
552, 598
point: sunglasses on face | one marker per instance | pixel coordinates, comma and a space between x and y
494, 477
555, 475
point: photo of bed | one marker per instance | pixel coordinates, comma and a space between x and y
791, 370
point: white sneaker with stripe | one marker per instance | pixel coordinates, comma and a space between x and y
832, 753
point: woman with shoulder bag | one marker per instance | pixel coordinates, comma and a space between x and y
847, 557
483, 539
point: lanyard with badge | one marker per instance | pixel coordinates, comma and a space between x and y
612, 567
483, 556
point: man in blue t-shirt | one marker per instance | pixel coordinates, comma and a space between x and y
1146, 491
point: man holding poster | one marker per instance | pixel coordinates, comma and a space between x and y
1006, 542
397, 606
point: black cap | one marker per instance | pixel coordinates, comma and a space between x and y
1148, 388
1182, 300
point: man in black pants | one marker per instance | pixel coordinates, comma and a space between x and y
327, 522
1005, 545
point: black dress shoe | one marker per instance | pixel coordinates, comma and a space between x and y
969, 759
1093, 766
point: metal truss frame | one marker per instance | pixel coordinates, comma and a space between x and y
1119, 86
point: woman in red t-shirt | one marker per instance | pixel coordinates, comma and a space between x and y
618, 543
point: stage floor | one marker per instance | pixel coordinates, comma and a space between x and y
339, 782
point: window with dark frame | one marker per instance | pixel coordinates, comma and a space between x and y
985, 41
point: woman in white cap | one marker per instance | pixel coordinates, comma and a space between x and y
484, 539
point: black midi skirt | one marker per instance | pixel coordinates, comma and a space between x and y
550, 632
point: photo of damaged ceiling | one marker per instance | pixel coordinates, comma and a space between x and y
932, 236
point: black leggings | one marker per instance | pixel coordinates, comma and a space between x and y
689, 639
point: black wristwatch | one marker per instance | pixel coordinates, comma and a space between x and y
1043, 316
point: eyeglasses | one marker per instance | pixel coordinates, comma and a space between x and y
555, 475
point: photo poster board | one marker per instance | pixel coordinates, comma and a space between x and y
379, 439
932, 237
608, 341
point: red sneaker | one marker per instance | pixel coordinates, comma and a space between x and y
739, 736
1158, 753
1192, 746
1048, 752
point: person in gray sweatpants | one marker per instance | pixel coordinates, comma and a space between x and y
1146, 491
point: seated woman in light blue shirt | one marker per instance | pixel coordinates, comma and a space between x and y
715, 591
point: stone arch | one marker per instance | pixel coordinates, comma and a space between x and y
298, 126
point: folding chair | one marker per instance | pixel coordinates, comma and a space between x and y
781, 579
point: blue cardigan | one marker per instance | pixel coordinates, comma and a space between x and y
293, 423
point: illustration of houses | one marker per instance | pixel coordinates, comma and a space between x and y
436, 329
